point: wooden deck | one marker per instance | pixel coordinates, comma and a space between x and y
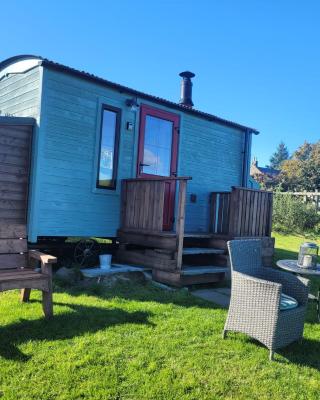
183, 258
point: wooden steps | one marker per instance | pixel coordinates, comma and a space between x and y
201, 262
203, 259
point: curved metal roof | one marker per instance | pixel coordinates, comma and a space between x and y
85, 75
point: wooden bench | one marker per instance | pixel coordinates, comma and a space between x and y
16, 271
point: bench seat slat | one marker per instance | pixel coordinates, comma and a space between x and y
13, 261
14, 275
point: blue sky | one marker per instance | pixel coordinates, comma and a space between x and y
256, 62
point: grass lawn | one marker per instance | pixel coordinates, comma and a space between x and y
287, 246
135, 341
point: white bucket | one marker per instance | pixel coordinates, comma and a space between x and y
105, 261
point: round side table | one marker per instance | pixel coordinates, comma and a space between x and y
292, 266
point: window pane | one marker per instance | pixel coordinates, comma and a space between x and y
157, 146
107, 148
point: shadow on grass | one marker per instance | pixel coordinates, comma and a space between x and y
142, 291
283, 254
67, 325
304, 353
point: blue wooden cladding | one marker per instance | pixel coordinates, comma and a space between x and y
64, 200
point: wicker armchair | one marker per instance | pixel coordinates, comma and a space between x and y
255, 298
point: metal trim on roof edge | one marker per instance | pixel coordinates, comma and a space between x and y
60, 67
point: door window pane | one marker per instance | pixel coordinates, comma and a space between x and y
157, 146
108, 149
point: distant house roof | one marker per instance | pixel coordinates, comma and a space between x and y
269, 171
60, 67
257, 170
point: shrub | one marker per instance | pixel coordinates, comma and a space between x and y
291, 214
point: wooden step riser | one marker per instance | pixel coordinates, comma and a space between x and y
148, 240
175, 279
206, 259
218, 244
196, 242
143, 258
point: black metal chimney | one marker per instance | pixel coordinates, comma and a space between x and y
186, 89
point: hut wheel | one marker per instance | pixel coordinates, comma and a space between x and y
86, 252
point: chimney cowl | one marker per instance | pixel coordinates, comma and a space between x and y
186, 89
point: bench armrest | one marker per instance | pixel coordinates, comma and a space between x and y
45, 259
42, 257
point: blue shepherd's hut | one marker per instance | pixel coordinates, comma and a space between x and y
110, 161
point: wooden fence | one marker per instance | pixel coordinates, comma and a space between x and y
241, 212
307, 197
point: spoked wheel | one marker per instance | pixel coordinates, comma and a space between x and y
87, 252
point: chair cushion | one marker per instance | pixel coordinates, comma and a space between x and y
287, 302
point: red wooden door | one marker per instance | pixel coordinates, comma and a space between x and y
158, 153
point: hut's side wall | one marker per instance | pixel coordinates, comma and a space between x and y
19, 94
69, 203
213, 155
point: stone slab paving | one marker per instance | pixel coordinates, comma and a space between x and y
219, 296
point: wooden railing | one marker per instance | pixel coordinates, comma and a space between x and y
143, 202
241, 212
142, 207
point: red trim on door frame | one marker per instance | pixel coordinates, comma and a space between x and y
156, 112
175, 118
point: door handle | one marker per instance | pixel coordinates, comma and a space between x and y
141, 165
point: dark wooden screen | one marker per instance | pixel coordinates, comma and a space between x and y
241, 212
15, 144
250, 212
13, 246
142, 204
219, 212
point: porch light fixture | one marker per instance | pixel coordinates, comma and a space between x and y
133, 104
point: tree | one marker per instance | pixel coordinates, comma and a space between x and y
303, 152
302, 171
279, 156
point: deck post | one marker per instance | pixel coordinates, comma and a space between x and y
233, 211
269, 222
181, 220
123, 204
213, 206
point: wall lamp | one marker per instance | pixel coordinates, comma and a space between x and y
133, 104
